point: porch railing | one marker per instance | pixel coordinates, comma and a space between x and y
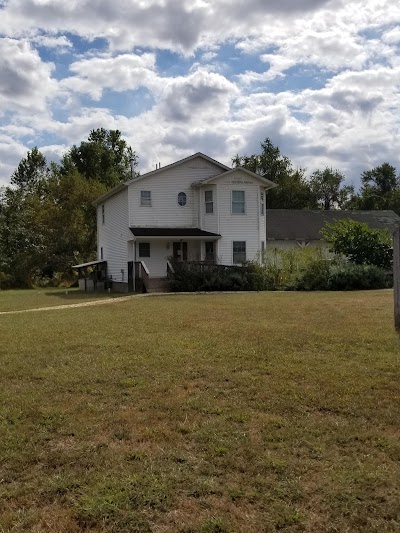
141, 276
170, 270
209, 266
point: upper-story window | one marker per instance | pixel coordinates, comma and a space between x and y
238, 203
209, 202
145, 198
103, 214
182, 199
262, 202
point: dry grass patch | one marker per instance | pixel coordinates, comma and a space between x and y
203, 414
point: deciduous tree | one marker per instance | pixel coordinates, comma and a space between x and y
293, 191
329, 189
359, 243
104, 157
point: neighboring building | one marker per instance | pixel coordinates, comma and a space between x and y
196, 209
288, 228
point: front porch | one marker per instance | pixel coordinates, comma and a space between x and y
154, 247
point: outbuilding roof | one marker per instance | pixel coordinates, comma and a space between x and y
297, 224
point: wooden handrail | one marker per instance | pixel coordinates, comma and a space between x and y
170, 268
145, 267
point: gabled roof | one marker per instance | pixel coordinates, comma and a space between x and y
297, 224
121, 186
177, 163
267, 183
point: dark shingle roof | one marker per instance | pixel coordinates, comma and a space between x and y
296, 224
172, 232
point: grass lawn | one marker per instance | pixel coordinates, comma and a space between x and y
241, 413
30, 299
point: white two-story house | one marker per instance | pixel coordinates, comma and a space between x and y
196, 209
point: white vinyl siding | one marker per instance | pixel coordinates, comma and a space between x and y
209, 221
232, 227
165, 187
114, 234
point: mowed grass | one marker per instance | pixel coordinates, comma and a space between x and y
215, 413
17, 300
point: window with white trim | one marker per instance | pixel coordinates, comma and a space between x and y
103, 214
262, 202
145, 198
182, 199
238, 252
238, 203
209, 202
101, 253
262, 251
144, 249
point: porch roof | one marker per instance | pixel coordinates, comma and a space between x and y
91, 263
194, 233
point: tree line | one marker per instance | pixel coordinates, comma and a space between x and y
47, 217
323, 189
48, 221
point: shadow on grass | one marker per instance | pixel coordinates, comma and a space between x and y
76, 294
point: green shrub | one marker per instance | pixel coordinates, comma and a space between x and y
314, 276
350, 276
306, 269
5, 281
191, 277
339, 275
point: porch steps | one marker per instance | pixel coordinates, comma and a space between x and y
157, 285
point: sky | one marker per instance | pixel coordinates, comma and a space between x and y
320, 78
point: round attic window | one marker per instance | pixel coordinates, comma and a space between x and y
182, 199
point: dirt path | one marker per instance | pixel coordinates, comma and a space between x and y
68, 306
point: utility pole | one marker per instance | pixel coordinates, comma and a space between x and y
396, 277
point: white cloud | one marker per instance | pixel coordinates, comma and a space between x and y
344, 115
11, 152
122, 73
25, 80
61, 42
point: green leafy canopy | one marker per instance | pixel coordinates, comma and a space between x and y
359, 243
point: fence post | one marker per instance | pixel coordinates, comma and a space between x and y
396, 277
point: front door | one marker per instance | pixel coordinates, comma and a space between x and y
180, 251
